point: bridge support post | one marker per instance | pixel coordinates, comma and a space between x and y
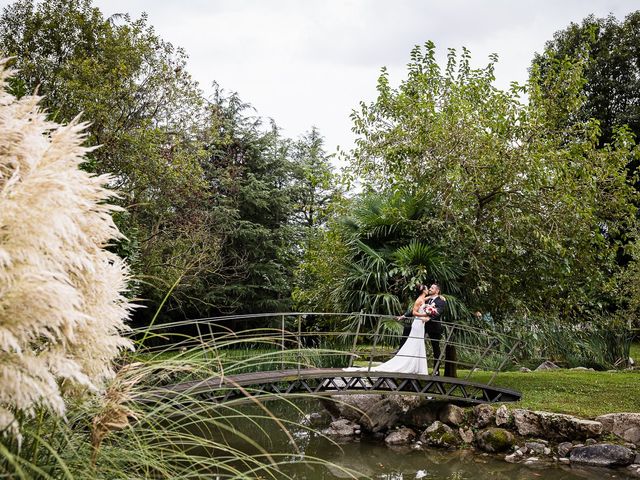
375, 342
282, 348
298, 356
503, 362
484, 354
355, 340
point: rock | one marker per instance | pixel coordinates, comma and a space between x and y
503, 417
602, 455
402, 436
484, 415
554, 425
494, 440
342, 428
547, 365
375, 413
564, 449
546, 451
525, 369
452, 415
565, 460
624, 425
316, 419
531, 460
466, 435
591, 441
439, 435
512, 458
535, 447
583, 369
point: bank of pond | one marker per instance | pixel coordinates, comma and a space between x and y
395, 437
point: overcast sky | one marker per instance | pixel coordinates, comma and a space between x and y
310, 62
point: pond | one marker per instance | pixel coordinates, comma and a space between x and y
373, 459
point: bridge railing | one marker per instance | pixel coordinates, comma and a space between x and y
241, 343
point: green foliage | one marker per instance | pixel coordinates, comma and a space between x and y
313, 184
521, 200
611, 77
246, 168
371, 259
144, 109
602, 343
219, 205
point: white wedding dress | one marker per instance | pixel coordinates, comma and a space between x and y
411, 358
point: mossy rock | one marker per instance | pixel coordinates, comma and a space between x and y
495, 440
440, 435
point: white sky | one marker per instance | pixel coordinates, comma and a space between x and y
310, 62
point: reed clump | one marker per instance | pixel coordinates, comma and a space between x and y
62, 293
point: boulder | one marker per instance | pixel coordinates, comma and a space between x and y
554, 425
452, 415
624, 425
564, 449
316, 419
503, 417
547, 365
374, 413
602, 455
424, 414
402, 436
466, 435
439, 435
484, 415
494, 440
342, 428
525, 369
535, 447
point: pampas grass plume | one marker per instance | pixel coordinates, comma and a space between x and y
62, 304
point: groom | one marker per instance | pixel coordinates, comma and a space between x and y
432, 328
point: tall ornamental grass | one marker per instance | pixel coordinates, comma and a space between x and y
62, 313
62, 307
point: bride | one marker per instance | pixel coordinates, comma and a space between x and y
412, 356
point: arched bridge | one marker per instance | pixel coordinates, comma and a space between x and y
268, 356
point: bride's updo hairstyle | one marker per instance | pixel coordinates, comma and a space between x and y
420, 288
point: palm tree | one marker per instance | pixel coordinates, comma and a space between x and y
386, 256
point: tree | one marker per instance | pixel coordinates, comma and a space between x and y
247, 171
372, 257
611, 75
145, 112
313, 181
524, 199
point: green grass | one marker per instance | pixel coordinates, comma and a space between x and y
585, 394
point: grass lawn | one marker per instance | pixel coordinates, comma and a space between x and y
585, 394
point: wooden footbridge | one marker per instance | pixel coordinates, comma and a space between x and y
269, 356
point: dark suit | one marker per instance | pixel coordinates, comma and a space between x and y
432, 328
